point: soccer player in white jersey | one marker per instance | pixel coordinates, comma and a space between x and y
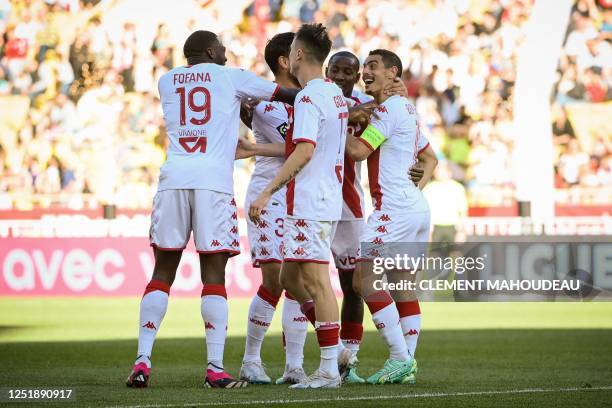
343, 69
270, 121
313, 174
201, 104
401, 214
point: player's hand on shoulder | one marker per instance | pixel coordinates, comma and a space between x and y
361, 114
397, 88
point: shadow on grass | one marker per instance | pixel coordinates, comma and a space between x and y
449, 361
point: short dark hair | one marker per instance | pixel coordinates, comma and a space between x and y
389, 59
346, 54
197, 43
316, 40
278, 46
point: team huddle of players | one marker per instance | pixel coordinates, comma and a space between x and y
312, 131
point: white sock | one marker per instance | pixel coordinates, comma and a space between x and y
153, 308
214, 314
260, 317
340, 347
295, 328
411, 327
329, 360
350, 345
328, 338
387, 323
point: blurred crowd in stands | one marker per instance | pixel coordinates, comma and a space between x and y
85, 126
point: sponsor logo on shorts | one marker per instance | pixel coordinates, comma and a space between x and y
299, 251
215, 243
235, 243
384, 217
377, 241
234, 216
263, 238
301, 223
301, 237
382, 229
264, 252
234, 230
374, 252
263, 224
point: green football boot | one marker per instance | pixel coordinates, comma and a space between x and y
394, 372
351, 377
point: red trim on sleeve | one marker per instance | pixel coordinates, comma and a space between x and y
423, 149
366, 143
211, 289
273, 97
296, 141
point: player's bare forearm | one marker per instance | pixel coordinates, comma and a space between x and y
356, 150
291, 168
286, 95
429, 162
270, 149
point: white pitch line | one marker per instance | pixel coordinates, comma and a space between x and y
368, 398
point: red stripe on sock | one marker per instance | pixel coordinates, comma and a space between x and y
288, 295
351, 331
308, 309
157, 285
213, 289
267, 296
328, 334
377, 301
408, 308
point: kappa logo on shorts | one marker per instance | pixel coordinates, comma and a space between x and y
263, 224
299, 251
382, 229
234, 216
384, 217
377, 241
374, 253
263, 238
269, 108
215, 243
264, 212
209, 326
300, 237
301, 223
149, 325
233, 202
382, 108
264, 252
235, 243
234, 230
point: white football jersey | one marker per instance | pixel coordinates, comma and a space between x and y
201, 105
352, 193
390, 185
320, 118
270, 124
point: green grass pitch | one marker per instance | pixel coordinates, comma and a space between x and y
470, 354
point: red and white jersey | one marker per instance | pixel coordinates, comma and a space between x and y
320, 117
353, 207
201, 105
270, 124
390, 185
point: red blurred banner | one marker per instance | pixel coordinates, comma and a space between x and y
103, 267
